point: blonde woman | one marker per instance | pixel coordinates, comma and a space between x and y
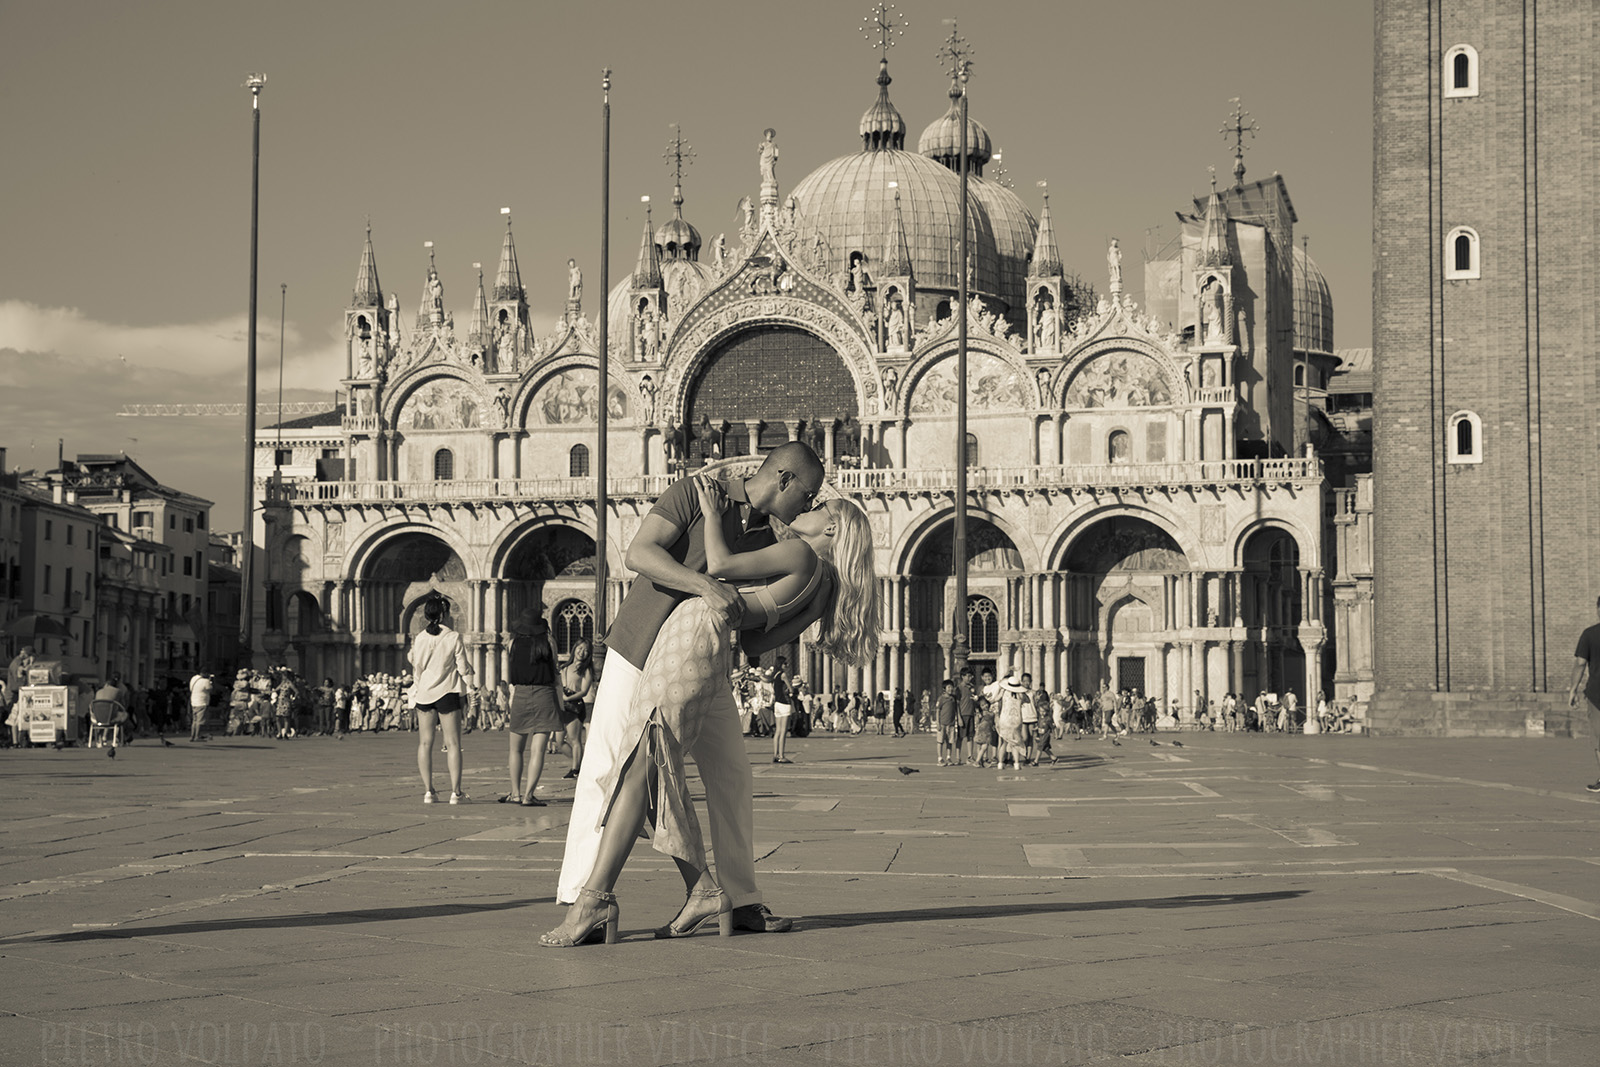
577, 678
824, 568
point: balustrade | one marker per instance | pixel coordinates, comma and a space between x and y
881, 480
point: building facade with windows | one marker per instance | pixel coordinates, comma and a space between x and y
157, 558
1486, 362
1142, 506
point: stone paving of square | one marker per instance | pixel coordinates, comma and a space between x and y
1233, 899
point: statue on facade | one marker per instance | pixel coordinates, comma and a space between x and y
502, 406
896, 325
1213, 311
891, 388
1046, 332
647, 389
363, 348
819, 254
747, 208
719, 252
1114, 264
436, 295
858, 274
767, 156
1042, 376
574, 281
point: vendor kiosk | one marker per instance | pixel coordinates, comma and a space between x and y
52, 707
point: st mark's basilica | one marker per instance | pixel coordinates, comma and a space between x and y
1146, 504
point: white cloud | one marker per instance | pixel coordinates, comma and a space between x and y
214, 348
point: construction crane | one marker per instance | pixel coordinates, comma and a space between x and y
288, 409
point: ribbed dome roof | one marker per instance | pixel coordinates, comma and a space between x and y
1313, 307
942, 139
881, 124
1014, 231
848, 201
677, 239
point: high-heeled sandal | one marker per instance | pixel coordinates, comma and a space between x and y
607, 920
723, 915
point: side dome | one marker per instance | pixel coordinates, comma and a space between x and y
677, 239
1313, 307
881, 124
1015, 230
941, 141
849, 202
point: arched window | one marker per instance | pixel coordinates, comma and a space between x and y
1461, 259
444, 465
1119, 447
573, 622
1300, 374
983, 626
1464, 438
1461, 71
972, 450
578, 462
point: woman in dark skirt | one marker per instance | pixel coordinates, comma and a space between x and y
535, 713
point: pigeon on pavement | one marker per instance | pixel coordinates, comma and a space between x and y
908, 770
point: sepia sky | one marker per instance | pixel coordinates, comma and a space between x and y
126, 136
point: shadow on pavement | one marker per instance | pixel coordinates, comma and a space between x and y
276, 922
996, 911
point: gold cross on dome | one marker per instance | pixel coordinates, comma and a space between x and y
679, 154
883, 28
957, 54
1235, 129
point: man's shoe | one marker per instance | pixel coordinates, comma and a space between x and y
758, 919
1593, 787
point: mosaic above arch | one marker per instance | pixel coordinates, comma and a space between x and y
441, 404
571, 397
1120, 378
992, 385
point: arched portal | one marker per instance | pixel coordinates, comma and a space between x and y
772, 374
993, 564
1119, 607
303, 621
547, 565
1272, 608
394, 582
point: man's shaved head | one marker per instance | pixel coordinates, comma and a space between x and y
787, 482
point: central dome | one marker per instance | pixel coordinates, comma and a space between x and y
849, 202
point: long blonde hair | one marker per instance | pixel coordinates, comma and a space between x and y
848, 629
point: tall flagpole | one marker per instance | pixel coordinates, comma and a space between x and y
247, 605
601, 471
960, 645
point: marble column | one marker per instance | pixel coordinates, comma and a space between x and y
753, 428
